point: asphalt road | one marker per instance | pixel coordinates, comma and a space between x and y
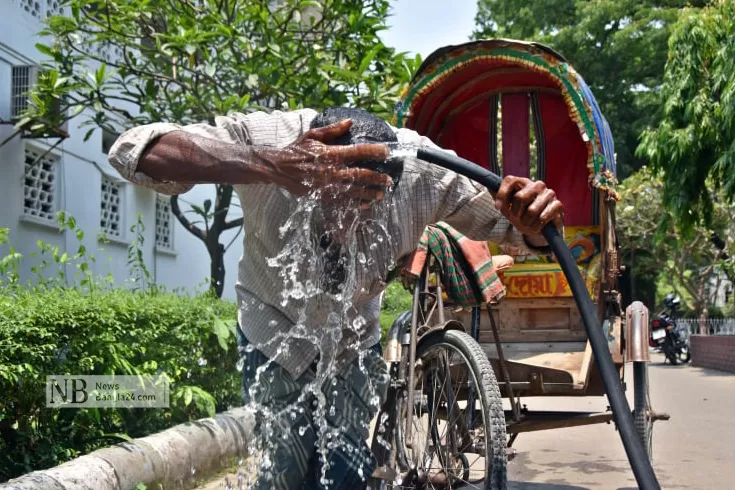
695, 449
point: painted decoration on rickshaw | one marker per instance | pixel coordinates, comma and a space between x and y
535, 276
448, 101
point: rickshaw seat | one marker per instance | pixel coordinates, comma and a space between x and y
502, 262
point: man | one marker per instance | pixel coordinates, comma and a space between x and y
299, 312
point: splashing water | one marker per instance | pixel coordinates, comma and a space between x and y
328, 318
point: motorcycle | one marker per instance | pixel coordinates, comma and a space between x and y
668, 336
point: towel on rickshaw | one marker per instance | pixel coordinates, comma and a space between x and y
468, 275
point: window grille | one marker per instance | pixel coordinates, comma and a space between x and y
23, 78
164, 224
41, 9
39, 186
110, 208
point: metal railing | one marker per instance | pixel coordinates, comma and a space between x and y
711, 326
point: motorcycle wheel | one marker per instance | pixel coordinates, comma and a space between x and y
670, 353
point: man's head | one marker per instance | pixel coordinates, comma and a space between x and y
366, 128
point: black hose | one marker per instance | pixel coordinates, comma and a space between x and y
637, 457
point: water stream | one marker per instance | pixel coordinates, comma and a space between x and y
328, 252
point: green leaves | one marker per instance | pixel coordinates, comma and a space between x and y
250, 52
224, 330
694, 142
651, 232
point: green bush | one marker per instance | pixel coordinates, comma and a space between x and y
396, 300
93, 329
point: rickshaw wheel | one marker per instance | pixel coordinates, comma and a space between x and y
642, 413
459, 438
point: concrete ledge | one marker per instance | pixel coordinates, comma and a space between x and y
714, 352
174, 459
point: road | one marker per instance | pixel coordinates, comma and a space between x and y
695, 449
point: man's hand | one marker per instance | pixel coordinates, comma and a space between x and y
529, 205
310, 163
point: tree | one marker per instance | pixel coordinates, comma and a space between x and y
651, 234
619, 47
695, 142
120, 63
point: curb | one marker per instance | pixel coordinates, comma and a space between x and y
172, 459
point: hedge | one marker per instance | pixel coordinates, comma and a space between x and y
56, 325
66, 331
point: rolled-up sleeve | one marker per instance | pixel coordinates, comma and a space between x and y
127, 150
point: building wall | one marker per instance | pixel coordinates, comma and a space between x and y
78, 176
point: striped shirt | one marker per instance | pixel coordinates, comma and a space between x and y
425, 195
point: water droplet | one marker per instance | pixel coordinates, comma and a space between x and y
302, 430
361, 258
373, 246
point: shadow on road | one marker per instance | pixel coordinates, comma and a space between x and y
712, 373
516, 485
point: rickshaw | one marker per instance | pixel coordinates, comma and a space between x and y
515, 108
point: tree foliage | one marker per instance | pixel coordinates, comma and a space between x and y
619, 47
695, 142
651, 234
120, 63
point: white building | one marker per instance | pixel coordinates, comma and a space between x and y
75, 177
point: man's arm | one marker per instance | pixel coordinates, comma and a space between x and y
514, 216
172, 158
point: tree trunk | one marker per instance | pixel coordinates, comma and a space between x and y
703, 330
211, 235
217, 268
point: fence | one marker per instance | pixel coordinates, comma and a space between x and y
711, 326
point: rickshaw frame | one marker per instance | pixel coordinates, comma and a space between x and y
546, 369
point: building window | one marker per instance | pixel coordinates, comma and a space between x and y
164, 224
22, 80
39, 185
110, 208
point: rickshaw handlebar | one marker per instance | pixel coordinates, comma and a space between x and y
637, 457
